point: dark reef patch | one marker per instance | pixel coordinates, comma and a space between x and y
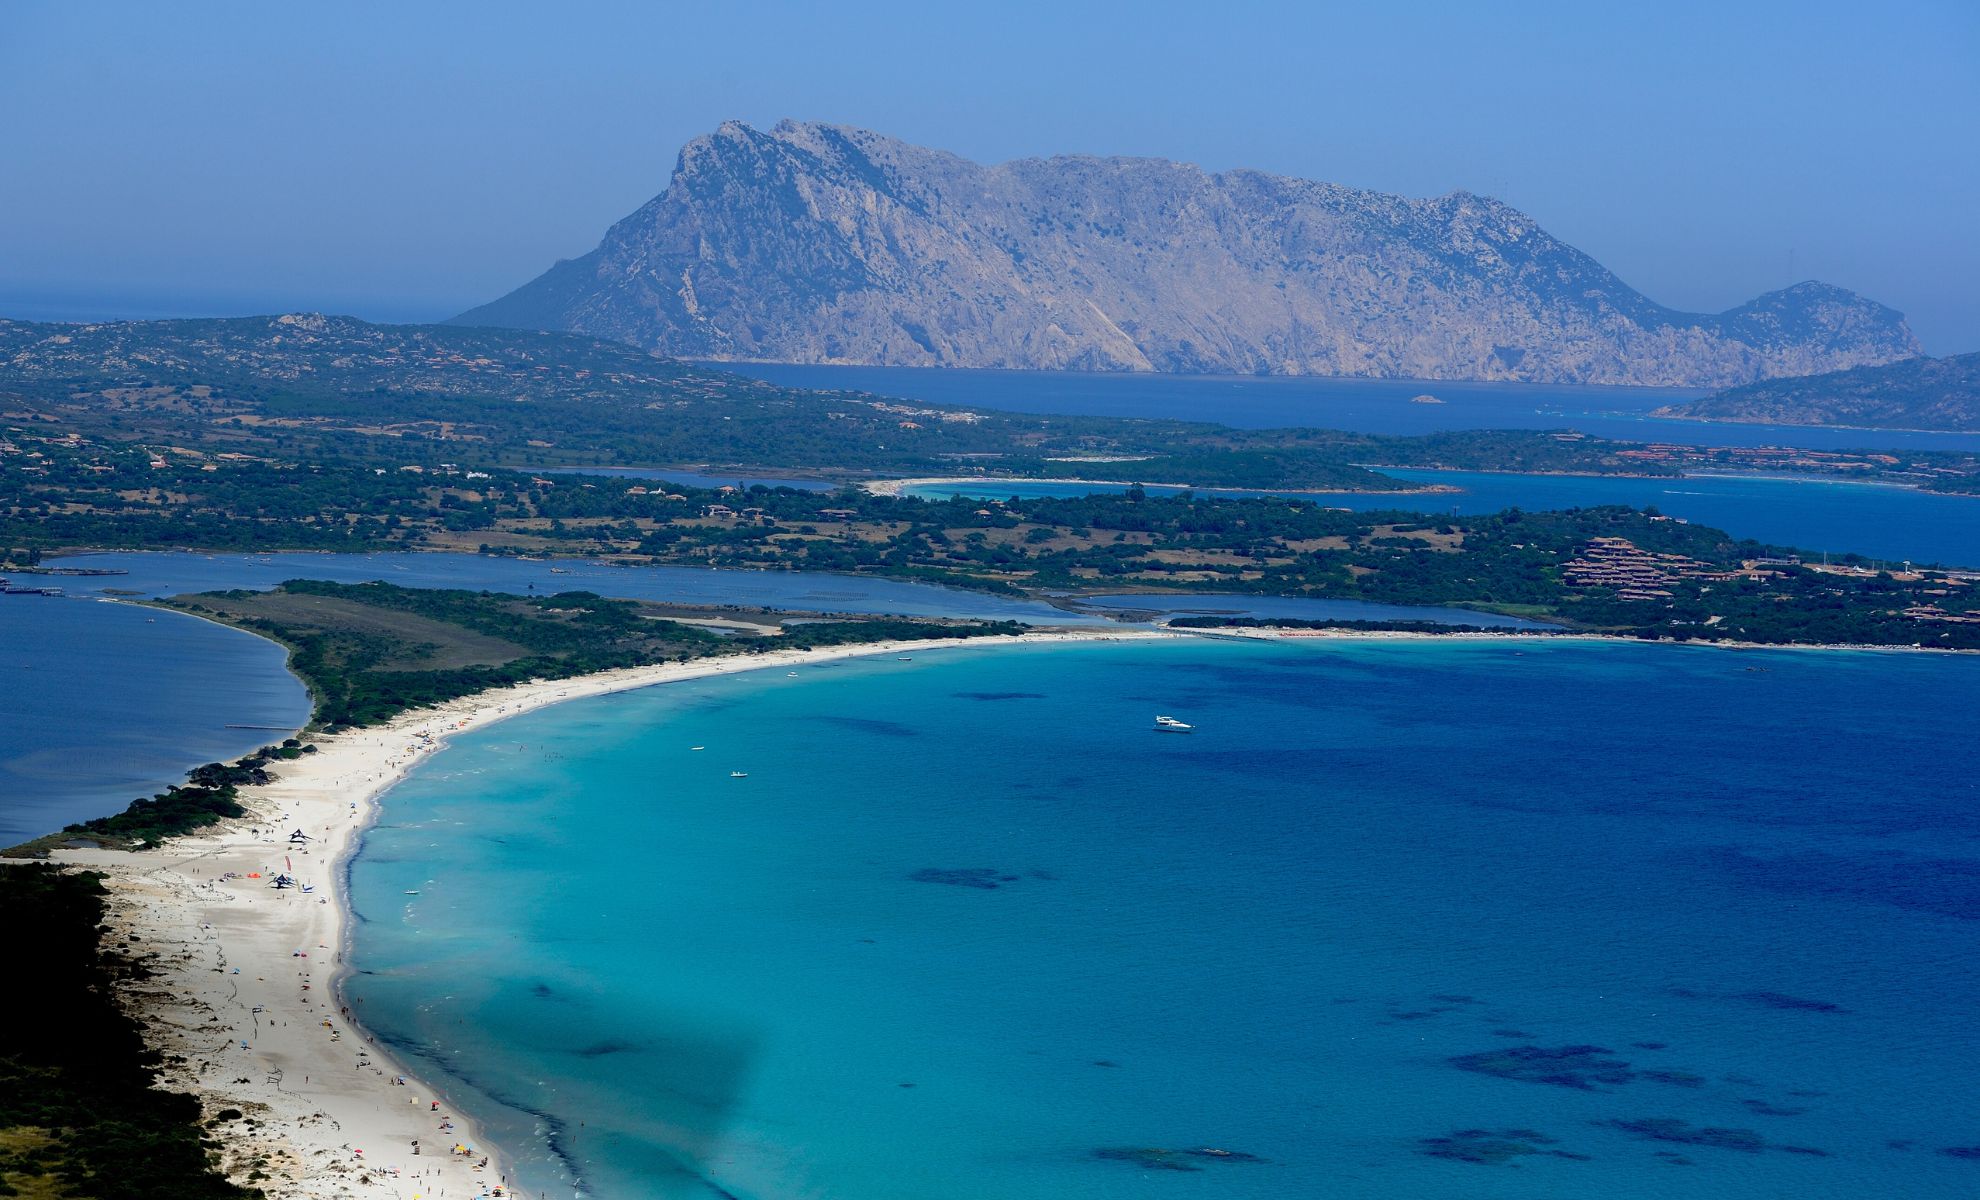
1493, 1147
986, 878
1763, 998
1971, 1153
1762, 1108
1684, 1133
1674, 1078
1581, 1067
870, 725
601, 1049
1949, 887
1155, 1159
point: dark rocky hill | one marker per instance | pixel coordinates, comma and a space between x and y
1918, 393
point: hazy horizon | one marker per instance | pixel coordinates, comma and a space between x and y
407, 165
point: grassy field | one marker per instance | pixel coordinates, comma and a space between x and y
404, 640
370, 651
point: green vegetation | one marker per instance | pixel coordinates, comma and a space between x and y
210, 793
1913, 393
337, 390
371, 651
79, 1112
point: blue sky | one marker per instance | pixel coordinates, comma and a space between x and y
405, 161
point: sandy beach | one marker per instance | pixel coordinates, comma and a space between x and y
896, 487
245, 1003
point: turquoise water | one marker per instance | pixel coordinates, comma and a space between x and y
105, 703
1863, 518
1752, 877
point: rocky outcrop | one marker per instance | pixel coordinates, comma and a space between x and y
1919, 393
824, 244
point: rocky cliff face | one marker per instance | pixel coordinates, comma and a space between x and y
1919, 393
823, 244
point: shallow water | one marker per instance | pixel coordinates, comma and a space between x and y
1753, 877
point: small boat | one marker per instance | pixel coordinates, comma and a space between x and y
905, 658
697, 747
739, 774
411, 892
1171, 725
792, 674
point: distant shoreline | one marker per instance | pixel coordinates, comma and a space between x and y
896, 487
1662, 414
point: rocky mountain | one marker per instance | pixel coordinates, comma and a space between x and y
1918, 393
824, 244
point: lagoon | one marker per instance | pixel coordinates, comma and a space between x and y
105, 703
174, 573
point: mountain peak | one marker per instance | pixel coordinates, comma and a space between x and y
815, 242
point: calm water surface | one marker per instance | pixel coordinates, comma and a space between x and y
1362, 405
104, 703
169, 574
1887, 522
970, 929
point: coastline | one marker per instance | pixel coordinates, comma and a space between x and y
1270, 633
242, 1003
896, 487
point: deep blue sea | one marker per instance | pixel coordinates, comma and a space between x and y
104, 703
1866, 518
969, 928
1364, 405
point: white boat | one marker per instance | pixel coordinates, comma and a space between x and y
1171, 725
739, 774
697, 747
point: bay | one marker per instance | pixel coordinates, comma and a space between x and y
1361, 405
969, 928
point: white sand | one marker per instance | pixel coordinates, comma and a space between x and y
245, 1003
896, 487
